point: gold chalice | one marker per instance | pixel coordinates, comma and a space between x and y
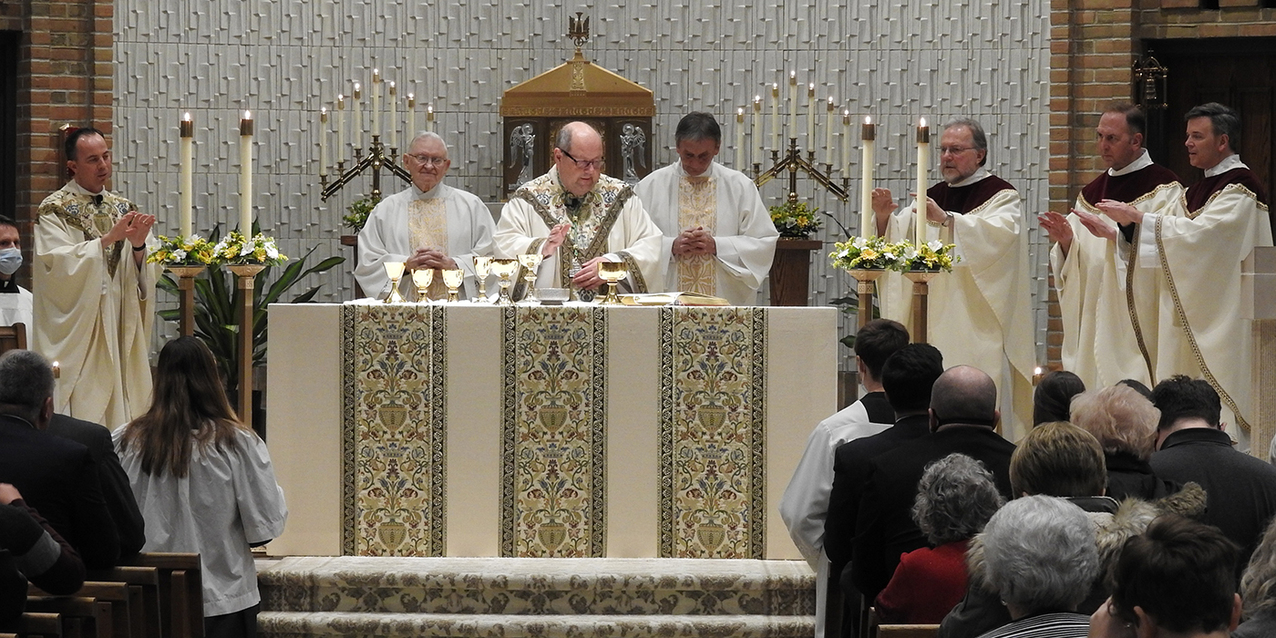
394, 270
612, 272
482, 268
530, 263
505, 269
453, 278
422, 278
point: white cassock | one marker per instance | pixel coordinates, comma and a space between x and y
727, 205
95, 309
980, 314
448, 219
612, 224
1197, 251
15, 307
1106, 338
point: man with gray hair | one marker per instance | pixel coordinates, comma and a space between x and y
428, 225
718, 236
56, 476
979, 306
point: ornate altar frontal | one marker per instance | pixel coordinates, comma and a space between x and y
534, 111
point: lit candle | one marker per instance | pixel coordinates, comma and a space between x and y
187, 175
775, 116
394, 118
411, 117
868, 221
740, 158
429, 117
846, 143
793, 104
323, 141
923, 162
246, 174
758, 137
810, 116
376, 102
828, 132
341, 127
356, 131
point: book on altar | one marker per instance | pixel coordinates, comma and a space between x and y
672, 299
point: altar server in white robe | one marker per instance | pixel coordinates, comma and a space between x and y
1196, 249
15, 301
96, 305
1106, 299
576, 217
428, 225
718, 236
980, 314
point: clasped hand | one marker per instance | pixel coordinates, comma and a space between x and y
694, 241
133, 226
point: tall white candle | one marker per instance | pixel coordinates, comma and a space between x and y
810, 116
323, 141
187, 174
741, 158
341, 127
356, 131
376, 103
411, 118
828, 132
793, 105
868, 221
394, 117
429, 117
775, 116
923, 164
757, 141
846, 143
246, 174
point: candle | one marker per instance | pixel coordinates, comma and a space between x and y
429, 117
376, 103
187, 174
810, 116
411, 117
341, 127
758, 144
868, 221
828, 132
923, 163
846, 143
356, 131
740, 158
394, 118
246, 174
323, 141
793, 104
775, 116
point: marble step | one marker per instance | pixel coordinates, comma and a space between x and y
277, 624
538, 586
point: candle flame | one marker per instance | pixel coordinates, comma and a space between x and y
740, 112
392, 87
923, 123
868, 119
248, 115
757, 98
1036, 370
186, 117
376, 74
356, 87
430, 109
323, 110
811, 87
412, 96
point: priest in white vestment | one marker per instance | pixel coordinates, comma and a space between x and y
96, 302
428, 225
1196, 250
718, 236
576, 217
980, 314
15, 301
1107, 300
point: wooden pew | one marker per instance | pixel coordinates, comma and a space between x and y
181, 592
143, 584
126, 606
92, 616
877, 629
41, 624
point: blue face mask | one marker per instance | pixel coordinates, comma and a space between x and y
10, 260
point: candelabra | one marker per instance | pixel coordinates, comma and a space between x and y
794, 162
375, 160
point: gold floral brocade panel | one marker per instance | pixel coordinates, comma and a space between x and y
553, 432
712, 432
394, 469
697, 207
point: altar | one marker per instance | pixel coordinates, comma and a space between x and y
587, 431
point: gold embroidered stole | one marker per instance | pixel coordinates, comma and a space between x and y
697, 206
427, 227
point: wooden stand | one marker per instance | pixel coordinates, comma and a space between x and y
1258, 303
186, 303
921, 290
791, 271
864, 291
353, 242
245, 275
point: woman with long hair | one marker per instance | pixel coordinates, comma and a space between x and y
204, 483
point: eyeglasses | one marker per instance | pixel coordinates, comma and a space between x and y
427, 160
582, 164
954, 150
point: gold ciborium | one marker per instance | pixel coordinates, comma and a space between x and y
530, 263
453, 278
482, 268
422, 279
612, 272
505, 269
394, 270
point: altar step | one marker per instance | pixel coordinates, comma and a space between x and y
551, 598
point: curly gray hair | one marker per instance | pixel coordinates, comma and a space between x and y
1041, 553
955, 499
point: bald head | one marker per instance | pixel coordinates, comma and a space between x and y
574, 132
963, 394
578, 155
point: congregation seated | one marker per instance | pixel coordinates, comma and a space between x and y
1258, 590
31, 550
955, 499
1124, 422
1053, 396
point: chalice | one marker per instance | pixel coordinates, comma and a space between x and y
394, 270
482, 268
530, 263
422, 278
505, 269
453, 278
612, 272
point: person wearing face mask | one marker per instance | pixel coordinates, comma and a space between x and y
96, 301
15, 301
718, 235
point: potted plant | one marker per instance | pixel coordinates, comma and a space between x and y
795, 220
